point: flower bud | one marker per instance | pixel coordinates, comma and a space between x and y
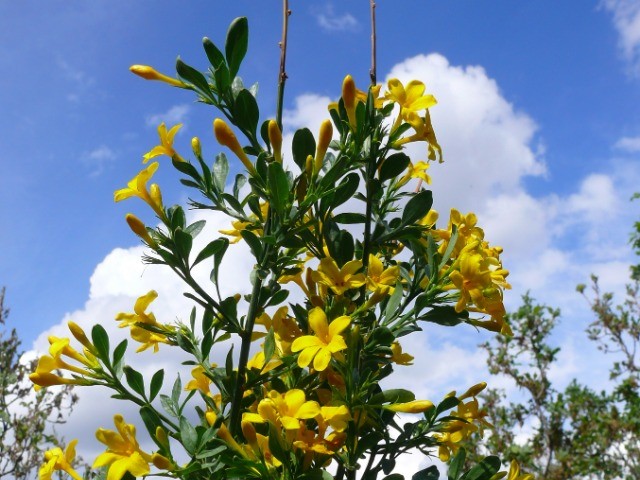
349, 99
79, 335
249, 432
227, 138
161, 436
150, 73
196, 147
324, 139
139, 228
473, 391
161, 462
275, 139
308, 166
156, 198
416, 406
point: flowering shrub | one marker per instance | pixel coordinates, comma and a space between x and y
302, 397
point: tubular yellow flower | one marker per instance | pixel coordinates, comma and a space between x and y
166, 144
324, 139
349, 99
200, 381
339, 279
284, 409
80, 336
56, 459
327, 340
123, 452
410, 99
227, 138
416, 406
336, 417
139, 228
275, 139
137, 187
398, 356
514, 472
150, 73
140, 334
379, 279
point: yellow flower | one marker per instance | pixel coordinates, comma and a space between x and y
137, 187
398, 356
424, 133
123, 452
56, 459
339, 280
336, 417
419, 170
416, 406
236, 231
326, 341
200, 381
166, 144
196, 147
227, 138
140, 229
284, 409
140, 334
379, 279
349, 99
514, 472
149, 73
411, 98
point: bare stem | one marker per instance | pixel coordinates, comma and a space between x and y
372, 72
282, 75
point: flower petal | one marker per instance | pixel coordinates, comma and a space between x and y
322, 359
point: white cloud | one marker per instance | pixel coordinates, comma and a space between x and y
176, 114
80, 81
628, 144
626, 20
98, 159
331, 21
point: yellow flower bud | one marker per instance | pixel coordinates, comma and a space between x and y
249, 432
473, 391
349, 99
308, 166
79, 335
416, 406
324, 139
139, 228
275, 138
161, 462
156, 198
196, 147
227, 138
150, 73
161, 436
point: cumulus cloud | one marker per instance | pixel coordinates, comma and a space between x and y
626, 20
490, 149
98, 159
176, 114
331, 21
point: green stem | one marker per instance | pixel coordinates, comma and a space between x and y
282, 75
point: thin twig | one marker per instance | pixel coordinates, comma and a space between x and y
282, 75
372, 72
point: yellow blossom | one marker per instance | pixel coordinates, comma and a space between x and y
56, 459
410, 99
324, 138
137, 187
200, 381
514, 472
416, 406
227, 138
336, 417
196, 147
423, 133
349, 99
139, 316
284, 409
166, 144
123, 452
379, 279
398, 356
327, 340
339, 279
140, 229
149, 73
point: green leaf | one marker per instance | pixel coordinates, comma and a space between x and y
430, 473
349, 218
388, 464
100, 340
169, 405
253, 241
212, 248
396, 395
457, 464
277, 298
156, 384
417, 207
188, 436
238, 184
184, 242
151, 421
246, 113
445, 315
269, 346
447, 404
193, 76
176, 390
394, 476
135, 380
215, 56
177, 217
394, 301
393, 166
279, 188
220, 171
345, 190
236, 44
195, 228
484, 470
302, 146
119, 351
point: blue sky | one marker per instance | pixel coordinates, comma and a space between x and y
538, 118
